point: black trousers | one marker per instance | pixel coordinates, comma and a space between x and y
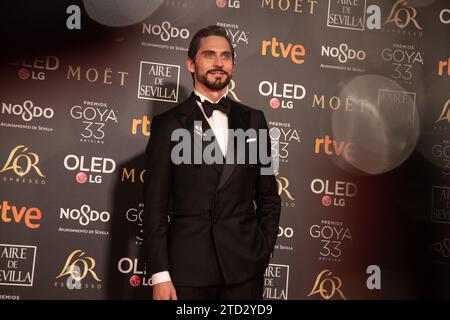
250, 290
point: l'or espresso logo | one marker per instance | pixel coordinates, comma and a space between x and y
29, 113
134, 215
95, 75
398, 107
443, 121
22, 166
296, 6
281, 135
37, 68
276, 280
327, 286
332, 236
441, 152
346, 57
77, 268
279, 49
334, 147
17, 265
90, 169
231, 90
94, 116
283, 95
440, 204
334, 193
159, 81
342, 104
133, 175
138, 274
404, 60
404, 17
143, 124
30, 217
283, 190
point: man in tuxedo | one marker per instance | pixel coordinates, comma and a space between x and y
209, 228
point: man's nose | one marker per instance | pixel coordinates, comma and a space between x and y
218, 61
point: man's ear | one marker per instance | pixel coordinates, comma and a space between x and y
190, 65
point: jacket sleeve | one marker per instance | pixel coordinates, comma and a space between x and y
157, 190
268, 202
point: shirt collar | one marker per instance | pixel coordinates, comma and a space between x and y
203, 97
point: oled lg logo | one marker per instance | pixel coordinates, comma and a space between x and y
235, 4
36, 68
283, 95
89, 168
334, 193
138, 276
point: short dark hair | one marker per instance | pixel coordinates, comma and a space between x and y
206, 32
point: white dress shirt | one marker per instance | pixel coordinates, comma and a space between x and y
219, 124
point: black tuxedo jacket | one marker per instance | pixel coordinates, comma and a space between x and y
223, 219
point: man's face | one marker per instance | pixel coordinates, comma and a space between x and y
213, 66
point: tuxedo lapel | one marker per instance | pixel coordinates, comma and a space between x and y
238, 119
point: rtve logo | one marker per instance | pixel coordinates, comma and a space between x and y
295, 52
334, 147
29, 216
445, 64
143, 123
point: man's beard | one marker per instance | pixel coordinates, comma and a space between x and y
216, 84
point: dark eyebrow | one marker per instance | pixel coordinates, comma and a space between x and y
212, 51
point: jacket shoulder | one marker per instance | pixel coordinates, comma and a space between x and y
254, 112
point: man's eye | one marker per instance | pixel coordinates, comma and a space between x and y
226, 56
208, 55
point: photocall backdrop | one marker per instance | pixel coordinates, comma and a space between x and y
356, 94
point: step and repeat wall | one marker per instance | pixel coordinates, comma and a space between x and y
356, 94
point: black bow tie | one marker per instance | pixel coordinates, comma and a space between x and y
223, 105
